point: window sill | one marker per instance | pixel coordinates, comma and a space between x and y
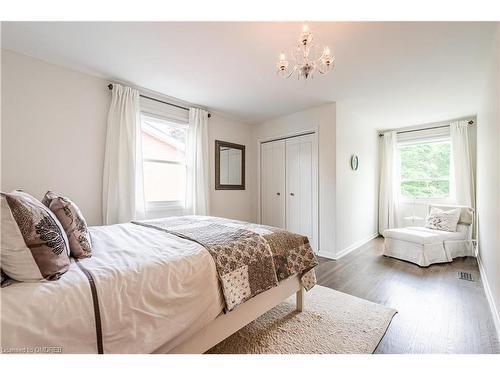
164, 205
155, 210
430, 199
419, 203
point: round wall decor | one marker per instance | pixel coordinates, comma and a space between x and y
354, 162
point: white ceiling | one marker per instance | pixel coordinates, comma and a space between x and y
393, 73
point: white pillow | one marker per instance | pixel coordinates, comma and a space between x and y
443, 220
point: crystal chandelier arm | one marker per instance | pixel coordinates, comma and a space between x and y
292, 71
318, 68
319, 60
322, 67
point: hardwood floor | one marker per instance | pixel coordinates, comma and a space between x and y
437, 312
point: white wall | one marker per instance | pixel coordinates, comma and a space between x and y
356, 191
488, 176
53, 137
53, 131
234, 204
323, 119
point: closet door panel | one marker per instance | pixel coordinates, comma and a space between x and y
265, 182
299, 172
279, 218
292, 186
273, 184
305, 188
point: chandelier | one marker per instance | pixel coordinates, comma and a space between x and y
307, 58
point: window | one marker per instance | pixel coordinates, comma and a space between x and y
425, 169
164, 162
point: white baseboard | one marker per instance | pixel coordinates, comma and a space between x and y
489, 295
326, 255
354, 246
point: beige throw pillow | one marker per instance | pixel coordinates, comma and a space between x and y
443, 220
73, 222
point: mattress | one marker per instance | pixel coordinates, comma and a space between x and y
155, 289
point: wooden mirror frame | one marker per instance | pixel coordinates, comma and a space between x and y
218, 186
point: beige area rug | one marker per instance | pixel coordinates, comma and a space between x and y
332, 322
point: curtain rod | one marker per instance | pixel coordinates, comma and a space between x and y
110, 86
417, 130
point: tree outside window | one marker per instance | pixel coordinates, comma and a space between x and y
425, 169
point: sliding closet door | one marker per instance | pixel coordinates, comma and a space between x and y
301, 175
272, 166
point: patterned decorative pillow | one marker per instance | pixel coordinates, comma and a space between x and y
443, 220
34, 245
73, 222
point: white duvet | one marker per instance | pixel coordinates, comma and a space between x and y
154, 289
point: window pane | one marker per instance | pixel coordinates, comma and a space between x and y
162, 141
423, 189
164, 182
425, 169
165, 141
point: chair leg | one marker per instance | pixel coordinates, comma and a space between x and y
300, 299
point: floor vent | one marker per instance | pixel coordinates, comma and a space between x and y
465, 276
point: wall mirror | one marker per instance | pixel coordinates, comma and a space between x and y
229, 166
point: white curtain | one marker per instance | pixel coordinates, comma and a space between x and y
123, 192
462, 169
197, 158
389, 183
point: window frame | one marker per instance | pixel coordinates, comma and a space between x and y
167, 205
434, 199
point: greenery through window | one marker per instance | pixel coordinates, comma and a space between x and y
425, 169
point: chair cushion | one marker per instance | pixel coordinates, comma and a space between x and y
422, 235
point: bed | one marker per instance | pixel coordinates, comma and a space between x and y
158, 290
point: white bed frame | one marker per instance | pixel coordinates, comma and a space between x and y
227, 324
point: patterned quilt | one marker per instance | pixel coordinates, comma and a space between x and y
249, 258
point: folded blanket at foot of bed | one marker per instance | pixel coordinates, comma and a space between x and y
249, 258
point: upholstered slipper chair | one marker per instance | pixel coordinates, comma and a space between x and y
425, 245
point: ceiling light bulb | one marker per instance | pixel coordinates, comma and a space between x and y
327, 51
282, 56
305, 28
